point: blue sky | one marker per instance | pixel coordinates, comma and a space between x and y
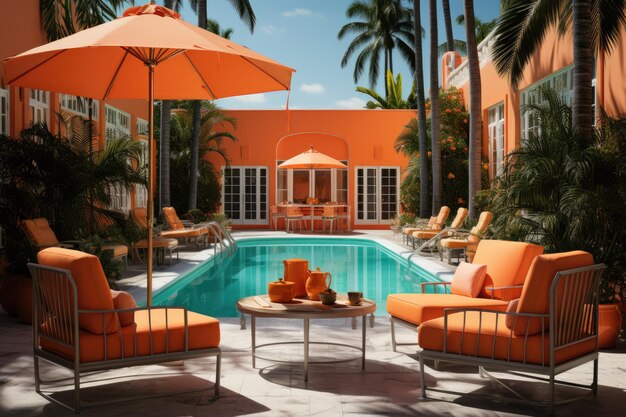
302, 34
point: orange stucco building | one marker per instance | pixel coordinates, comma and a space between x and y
504, 124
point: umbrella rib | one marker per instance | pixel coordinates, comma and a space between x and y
171, 55
117, 70
199, 75
36, 66
263, 71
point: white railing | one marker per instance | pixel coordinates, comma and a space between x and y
460, 75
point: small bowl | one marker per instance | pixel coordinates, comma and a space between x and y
328, 298
355, 297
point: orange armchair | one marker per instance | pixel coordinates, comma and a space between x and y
80, 325
507, 264
552, 328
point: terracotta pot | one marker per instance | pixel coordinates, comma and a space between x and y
609, 325
297, 271
280, 291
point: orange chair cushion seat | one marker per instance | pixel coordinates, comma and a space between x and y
183, 233
39, 231
430, 337
172, 218
418, 308
204, 332
157, 242
452, 243
118, 250
425, 234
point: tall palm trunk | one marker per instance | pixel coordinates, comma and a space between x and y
164, 154
434, 112
421, 113
582, 112
475, 136
385, 75
197, 120
448, 22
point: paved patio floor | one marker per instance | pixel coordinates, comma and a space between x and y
389, 386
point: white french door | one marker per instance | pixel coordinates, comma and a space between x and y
377, 191
244, 194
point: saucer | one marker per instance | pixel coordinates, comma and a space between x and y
355, 304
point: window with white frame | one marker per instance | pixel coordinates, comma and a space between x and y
39, 103
117, 123
377, 191
142, 127
141, 192
496, 140
80, 105
4, 111
561, 81
296, 185
244, 194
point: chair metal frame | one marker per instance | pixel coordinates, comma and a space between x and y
63, 304
570, 322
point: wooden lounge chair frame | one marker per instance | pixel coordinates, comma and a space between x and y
568, 324
67, 334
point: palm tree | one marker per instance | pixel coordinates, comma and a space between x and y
61, 18
596, 26
421, 113
214, 27
394, 98
385, 26
200, 6
434, 99
475, 134
482, 29
448, 22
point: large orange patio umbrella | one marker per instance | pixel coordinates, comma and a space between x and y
148, 53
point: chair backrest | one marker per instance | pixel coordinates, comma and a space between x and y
459, 219
140, 216
484, 220
329, 211
507, 265
92, 288
440, 221
536, 292
172, 219
40, 233
293, 211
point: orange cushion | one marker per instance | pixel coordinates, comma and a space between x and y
204, 332
536, 293
140, 216
511, 308
507, 264
483, 221
121, 300
430, 337
454, 243
91, 284
418, 308
424, 235
468, 279
461, 214
118, 250
182, 233
444, 212
157, 242
39, 231
172, 218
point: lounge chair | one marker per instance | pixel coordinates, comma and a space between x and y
80, 325
436, 236
409, 229
184, 233
552, 328
507, 264
437, 225
464, 242
41, 235
162, 245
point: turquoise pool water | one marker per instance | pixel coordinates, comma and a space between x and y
214, 287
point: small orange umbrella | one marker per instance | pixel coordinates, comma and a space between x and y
311, 159
148, 53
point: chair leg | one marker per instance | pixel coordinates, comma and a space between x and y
594, 384
393, 334
218, 369
551, 395
77, 389
422, 377
37, 378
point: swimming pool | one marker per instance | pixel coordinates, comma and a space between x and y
214, 287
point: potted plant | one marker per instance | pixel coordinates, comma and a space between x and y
612, 297
222, 220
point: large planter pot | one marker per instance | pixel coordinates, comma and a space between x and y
609, 325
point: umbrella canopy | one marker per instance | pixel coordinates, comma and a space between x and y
311, 159
148, 53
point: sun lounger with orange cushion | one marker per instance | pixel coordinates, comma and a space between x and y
466, 243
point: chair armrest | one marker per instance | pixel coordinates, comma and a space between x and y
492, 290
425, 285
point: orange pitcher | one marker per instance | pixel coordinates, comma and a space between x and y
297, 271
317, 283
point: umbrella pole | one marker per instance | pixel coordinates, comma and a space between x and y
150, 179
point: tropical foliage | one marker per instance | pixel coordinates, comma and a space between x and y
211, 137
566, 192
454, 154
51, 176
394, 98
384, 26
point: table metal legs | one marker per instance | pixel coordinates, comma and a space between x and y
253, 331
363, 341
306, 350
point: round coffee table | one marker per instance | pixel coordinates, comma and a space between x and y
305, 310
